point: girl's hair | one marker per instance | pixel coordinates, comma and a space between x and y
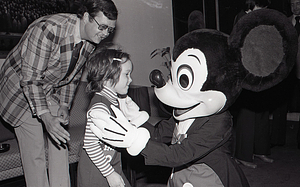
104, 65
93, 7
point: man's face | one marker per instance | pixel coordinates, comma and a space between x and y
98, 28
295, 7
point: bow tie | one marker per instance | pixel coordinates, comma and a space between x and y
177, 137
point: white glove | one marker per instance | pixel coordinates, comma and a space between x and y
132, 111
118, 132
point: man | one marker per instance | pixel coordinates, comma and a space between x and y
38, 84
252, 118
295, 8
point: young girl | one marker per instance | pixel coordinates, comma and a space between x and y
109, 73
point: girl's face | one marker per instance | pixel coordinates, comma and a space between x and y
125, 78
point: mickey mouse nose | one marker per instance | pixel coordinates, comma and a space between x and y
156, 78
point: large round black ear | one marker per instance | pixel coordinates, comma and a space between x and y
268, 43
195, 21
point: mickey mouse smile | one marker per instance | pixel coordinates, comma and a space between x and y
180, 111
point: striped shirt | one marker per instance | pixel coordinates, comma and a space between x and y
94, 147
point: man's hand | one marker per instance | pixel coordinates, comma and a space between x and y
115, 180
54, 128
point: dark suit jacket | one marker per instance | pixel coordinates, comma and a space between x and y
208, 141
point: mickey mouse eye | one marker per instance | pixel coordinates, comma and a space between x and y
185, 77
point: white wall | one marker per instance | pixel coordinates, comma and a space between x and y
144, 25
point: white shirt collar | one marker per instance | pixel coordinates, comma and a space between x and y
77, 37
294, 20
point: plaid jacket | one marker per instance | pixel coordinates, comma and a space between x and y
35, 67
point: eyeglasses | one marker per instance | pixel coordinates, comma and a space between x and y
103, 27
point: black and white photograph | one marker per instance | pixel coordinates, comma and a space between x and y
149, 93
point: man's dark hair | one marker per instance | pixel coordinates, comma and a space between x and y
93, 7
249, 5
262, 3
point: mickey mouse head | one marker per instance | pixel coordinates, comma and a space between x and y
209, 68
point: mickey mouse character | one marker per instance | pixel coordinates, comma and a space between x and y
208, 71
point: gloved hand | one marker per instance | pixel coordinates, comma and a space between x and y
118, 132
132, 111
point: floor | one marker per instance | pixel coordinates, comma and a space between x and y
284, 172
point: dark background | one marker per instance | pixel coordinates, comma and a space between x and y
16, 15
227, 11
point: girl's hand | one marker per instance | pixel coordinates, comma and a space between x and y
115, 180
63, 112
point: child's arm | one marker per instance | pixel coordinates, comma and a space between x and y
95, 153
92, 146
115, 179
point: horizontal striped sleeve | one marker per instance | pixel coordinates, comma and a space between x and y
93, 146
